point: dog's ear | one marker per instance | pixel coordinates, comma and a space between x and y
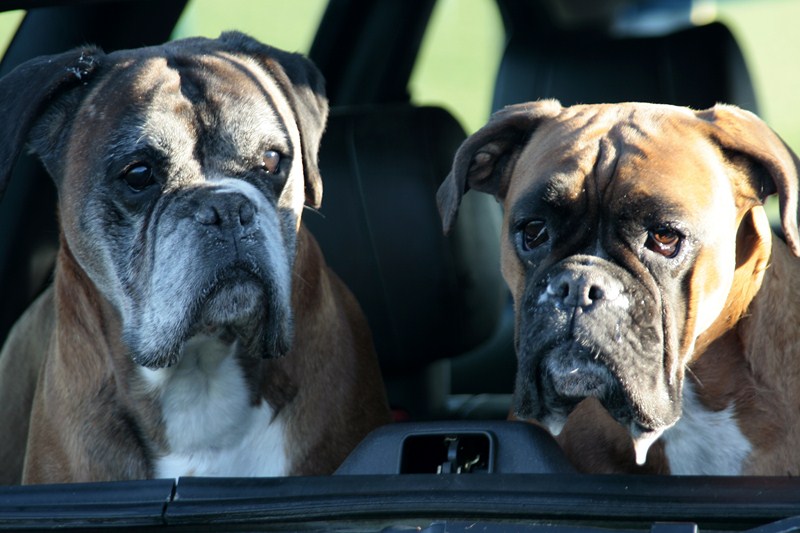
741, 133
28, 90
311, 109
304, 87
485, 159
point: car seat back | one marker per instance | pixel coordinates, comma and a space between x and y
695, 67
426, 296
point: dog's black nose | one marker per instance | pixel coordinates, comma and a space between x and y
225, 210
582, 287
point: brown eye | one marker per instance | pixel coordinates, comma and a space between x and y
534, 234
270, 162
138, 176
664, 241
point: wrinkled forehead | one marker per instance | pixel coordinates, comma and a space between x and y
621, 154
164, 98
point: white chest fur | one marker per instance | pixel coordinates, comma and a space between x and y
705, 442
211, 427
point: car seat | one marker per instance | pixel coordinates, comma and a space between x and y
696, 67
427, 297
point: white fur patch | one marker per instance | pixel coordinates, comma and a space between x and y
211, 427
705, 442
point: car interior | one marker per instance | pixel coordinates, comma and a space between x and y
439, 310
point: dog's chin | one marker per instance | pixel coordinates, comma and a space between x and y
234, 306
565, 376
566, 380
244, 310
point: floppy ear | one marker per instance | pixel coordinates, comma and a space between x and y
741, 133
26, 91
485, 159
304, 86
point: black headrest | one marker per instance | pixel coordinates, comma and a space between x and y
696, 67
426, 296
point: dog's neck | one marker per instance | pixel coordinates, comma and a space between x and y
201, 392
89, 322
775, 311
754, 245
748, 365
764, 264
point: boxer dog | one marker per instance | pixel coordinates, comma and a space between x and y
193, 327
646, 280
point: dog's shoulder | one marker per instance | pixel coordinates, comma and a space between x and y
20, 362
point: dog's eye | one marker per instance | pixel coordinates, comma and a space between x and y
534, 234
664, 241
138, 177
270, 162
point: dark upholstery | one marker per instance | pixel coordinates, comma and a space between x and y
426, 296
696, 67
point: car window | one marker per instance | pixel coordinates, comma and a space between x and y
766, 31
460, 53
287, 25
9, 21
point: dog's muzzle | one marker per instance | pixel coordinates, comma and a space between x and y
576, 298
221, 265
588, 329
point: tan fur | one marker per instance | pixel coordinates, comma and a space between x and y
733, 367
330, 322
740, 340
769, 335
83, 384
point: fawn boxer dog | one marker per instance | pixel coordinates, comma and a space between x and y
646, 280
193, 327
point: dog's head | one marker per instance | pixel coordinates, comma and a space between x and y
624, 228
182, 171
